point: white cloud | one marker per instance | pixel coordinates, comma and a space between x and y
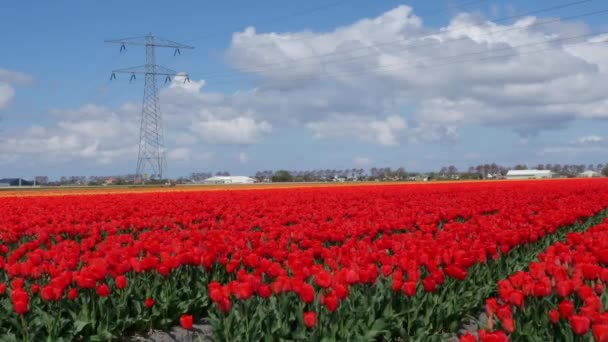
185, 139
210, 117
471, 156
87, 111
389, 131
361, 161
100, 135
243, 157
180, 153
582, 146
376, 67
589, 140
15, 77
242, 130
9, 78
382, 132
188, 155
7, 92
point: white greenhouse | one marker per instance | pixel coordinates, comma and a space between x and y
229, 180
589, 174
529, 174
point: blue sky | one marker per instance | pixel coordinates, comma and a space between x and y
62, 116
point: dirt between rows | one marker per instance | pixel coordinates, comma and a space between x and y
101, 190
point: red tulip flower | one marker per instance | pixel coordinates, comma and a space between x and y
467, 337
409, 288
307, 293
566, 308
323, 279
102, 290
310, 319
120, 282
600, 332
580, 324
72, 294
553, 316
185, 321
19, 299
517, 298
330, 300
428, 284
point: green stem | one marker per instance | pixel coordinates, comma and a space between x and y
26, 335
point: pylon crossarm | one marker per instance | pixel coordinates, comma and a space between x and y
142, 70
150, 41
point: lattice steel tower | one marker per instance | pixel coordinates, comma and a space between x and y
151, 141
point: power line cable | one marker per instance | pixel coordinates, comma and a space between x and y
325, 7
278, 18
404, 40
453, 59
410, 47
426, 13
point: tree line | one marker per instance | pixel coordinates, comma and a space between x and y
331, 174
481, 171
568, 170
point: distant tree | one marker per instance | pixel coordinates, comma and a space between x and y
308, 176
373, 172
401, 173
557, 168
259, 176
570, 170
452, 170
580, 168
388, 172
486, 169
605, 171
41, 180
282, 176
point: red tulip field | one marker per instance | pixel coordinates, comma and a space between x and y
350, 263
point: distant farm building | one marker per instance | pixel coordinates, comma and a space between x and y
589, 174
529, 174
229, 180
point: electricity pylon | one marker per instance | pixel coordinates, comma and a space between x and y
151, 141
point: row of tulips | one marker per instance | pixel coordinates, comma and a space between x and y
560, 297
346, 263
